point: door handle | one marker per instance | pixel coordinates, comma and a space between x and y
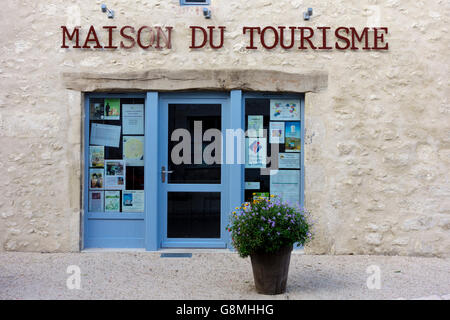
164, 172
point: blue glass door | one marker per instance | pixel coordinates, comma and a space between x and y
192, 177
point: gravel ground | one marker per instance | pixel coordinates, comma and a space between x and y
217, 275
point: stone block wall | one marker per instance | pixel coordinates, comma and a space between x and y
377, 143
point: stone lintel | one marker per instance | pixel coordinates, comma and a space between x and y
210, 80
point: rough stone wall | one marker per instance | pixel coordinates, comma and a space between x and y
377, 139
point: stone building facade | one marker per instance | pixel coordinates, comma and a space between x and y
377, 122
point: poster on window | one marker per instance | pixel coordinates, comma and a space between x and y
293, 137
288, 160
256, 151
133, 201
284, 110
133, 118
112, 201
96, 178
250, 185
112, 109
276, 132
286, 185
97, 111
97, 156
114, 174
133, 150
261, 195
255, 126
96, 201
105, 135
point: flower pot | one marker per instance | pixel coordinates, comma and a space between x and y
270, 270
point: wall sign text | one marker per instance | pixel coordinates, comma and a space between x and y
268, 38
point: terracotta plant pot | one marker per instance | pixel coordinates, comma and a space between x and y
270, 270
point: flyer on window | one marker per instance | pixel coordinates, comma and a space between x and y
112, 109
105, 135
96, 178
284, 110
261, 195
112, 201
97, 156
114, 174
133, 118
293, 137
96, 201
133, 150
255, 126
276, 132
97, 111
286, 185
256, 151
250, 185
288, 160
133, 201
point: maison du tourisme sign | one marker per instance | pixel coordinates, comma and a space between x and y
269, 37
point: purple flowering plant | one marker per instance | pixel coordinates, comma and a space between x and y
268, 224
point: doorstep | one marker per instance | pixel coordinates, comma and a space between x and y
113, 250
172, 250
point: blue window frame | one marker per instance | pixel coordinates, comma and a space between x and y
263, 97
104, 226
148, 229
195, 2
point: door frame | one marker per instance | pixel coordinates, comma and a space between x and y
164, 188
232, 174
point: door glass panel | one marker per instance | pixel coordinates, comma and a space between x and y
193, 215
189, 156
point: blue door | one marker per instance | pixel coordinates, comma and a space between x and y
193, 200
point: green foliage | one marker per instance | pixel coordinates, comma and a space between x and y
266, 225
